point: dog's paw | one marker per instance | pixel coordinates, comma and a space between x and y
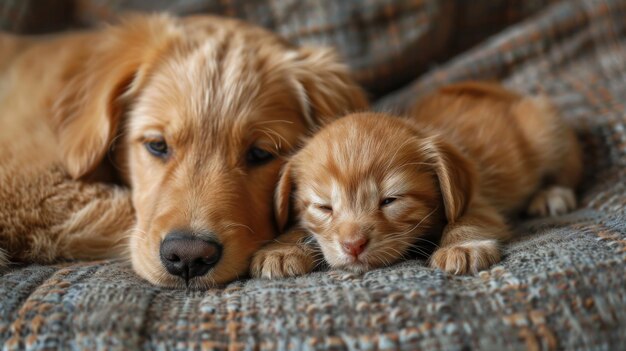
553, 201
468, 257
281, 260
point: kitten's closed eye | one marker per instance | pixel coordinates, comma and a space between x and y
324, 208
387, 201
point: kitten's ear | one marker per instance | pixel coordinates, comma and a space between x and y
282, 197
456, 175
325, 86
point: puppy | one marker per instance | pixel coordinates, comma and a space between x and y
194, 114
372, 188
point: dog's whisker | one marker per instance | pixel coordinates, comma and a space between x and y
280, 138
276, 145
238, 225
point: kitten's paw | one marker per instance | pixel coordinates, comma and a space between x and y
280, 260
468, 257
553, 201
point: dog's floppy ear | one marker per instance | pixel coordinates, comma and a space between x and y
87, 114
282, 197
325, 86
456, 175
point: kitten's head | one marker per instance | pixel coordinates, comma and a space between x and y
369, 187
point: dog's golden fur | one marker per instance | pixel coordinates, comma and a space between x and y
46, 217
471, 155
211, 88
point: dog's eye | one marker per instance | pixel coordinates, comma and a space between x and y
157, 148
387, 201
325, 208
257, 156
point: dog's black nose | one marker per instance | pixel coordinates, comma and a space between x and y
188, 256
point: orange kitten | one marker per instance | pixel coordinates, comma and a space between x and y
371, 188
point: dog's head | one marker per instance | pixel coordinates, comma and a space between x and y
201, 112
369, 186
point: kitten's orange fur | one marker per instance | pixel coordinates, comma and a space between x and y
370, 187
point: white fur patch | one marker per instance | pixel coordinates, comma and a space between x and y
395, 184
479, 244
314, 198
336, 195
553, 201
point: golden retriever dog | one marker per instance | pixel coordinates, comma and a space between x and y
195, 114
371, 188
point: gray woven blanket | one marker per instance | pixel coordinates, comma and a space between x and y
561, 285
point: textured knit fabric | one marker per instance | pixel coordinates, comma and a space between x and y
561, 284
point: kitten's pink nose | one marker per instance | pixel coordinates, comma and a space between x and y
355, 247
